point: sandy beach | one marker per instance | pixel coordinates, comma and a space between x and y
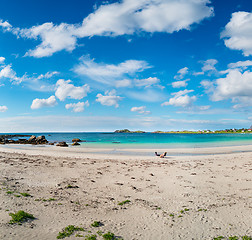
195, 194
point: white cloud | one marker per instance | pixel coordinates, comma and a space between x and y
39, 103
108, 73
5, 25
3, 108
8, 72
67, 90
123, 83
179, 84
2, 59
140, 110
109, 99
209, 65
237, 33
235, 86
181, 73
241, 64
181, 99
47, 75
77, 107
146, 82
116, 19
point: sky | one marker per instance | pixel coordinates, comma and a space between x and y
137, 64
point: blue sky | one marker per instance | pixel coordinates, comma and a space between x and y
106, 65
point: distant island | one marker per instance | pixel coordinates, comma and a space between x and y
233, 130
127, 131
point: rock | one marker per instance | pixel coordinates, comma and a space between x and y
75, 144
40, 138
62, 144
32, 139
76, 140
21, 141
51, 143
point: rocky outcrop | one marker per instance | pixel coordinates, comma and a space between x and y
8, 139
62, 144
75, 144
76, 140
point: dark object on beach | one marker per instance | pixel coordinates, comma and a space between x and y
161, 155
62, 144
32, 138
51, 143
75, 144
76, 140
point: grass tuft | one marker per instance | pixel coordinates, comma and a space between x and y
68, 231
20, 217
96, 224
123, 202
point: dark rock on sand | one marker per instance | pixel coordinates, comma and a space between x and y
75, 144
76, 140
62, 144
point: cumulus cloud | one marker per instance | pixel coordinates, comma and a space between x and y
235, 86
2, 59
64, 89
140, 110
3, 108
181, 99
39, 103
108, 73
179, 84
77, 107
237, 33
116, 19
241, 64
181, 73
8, 72
109, 99
146, 82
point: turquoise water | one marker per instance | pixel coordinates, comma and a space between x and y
150, 140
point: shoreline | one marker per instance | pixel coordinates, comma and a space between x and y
79, 151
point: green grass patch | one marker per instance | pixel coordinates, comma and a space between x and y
68, 231
20, 217
9, 192
96, 224
218, 238
25, 194
246, 238
171, 215
91, 237
17, 195
108, 236
123, 202
233, 238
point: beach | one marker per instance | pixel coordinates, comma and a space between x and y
192, 193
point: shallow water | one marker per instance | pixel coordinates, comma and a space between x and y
150, 140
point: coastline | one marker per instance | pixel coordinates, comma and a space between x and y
198, 196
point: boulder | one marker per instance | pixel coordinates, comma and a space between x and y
32, 138
76, 140
75, 144
40, 138
51, 143
62, 144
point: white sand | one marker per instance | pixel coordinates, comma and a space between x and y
214, 184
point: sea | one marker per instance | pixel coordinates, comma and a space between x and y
148, 140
